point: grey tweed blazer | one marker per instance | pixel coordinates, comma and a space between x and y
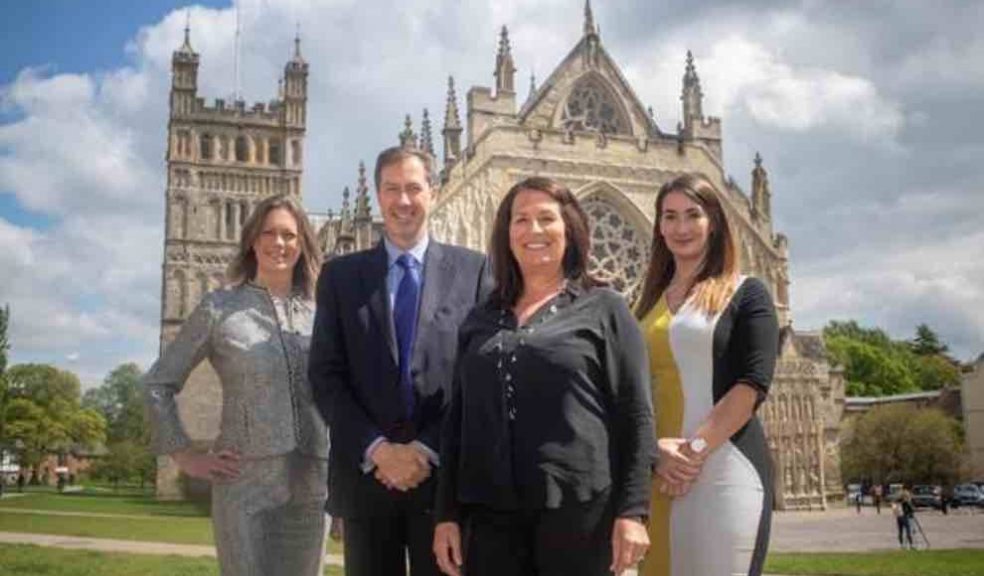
259, 347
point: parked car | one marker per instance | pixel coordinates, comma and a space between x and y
967, 495
927, 495
851, 495
894, 491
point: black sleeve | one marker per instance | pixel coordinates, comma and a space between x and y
627, 364
486, 281
331, 377
327, 356
430, 434
446, 500
756, 332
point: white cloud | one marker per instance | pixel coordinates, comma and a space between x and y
740, 76
937, 281
73, 150
945, 62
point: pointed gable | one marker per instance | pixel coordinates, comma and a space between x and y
587, 92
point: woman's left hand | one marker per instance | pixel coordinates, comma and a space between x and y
677, 466
630, 540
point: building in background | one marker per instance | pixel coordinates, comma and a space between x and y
972, 396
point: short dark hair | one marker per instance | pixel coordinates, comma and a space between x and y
398, 154
577, 231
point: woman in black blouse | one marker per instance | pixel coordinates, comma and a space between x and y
546, 450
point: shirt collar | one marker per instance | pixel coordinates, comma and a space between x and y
393, 251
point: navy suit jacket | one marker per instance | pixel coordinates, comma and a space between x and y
354, 365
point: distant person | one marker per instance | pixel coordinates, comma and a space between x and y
876, 496
268, 466
20, 482
858, 497
902, 522
713, 340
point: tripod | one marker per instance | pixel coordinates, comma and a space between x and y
919, 529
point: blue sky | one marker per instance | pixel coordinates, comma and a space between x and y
68, 36
870, 122
75, 35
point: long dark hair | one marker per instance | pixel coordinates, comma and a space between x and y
714, 282
577, 231
243, 266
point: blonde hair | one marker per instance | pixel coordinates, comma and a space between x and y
715, 281
243, 266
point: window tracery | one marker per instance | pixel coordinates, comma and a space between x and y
590, 107
619, 252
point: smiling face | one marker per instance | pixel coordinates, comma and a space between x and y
405, 199
278, 246
537, 235
685, 226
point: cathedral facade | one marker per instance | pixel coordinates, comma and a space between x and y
585, 127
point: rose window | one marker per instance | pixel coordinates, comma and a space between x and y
619, 253
590, 108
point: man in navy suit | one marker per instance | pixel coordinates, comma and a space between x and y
382, 357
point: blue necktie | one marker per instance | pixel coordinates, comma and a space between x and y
405, 322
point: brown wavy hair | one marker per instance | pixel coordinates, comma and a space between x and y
715, 281
577, 232
243, 266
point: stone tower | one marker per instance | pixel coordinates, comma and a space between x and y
221, 161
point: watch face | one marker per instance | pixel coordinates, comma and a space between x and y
698, 445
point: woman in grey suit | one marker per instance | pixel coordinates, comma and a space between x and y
268, 466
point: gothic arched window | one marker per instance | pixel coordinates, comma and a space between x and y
591, 107
206, 146
619, 252
242, 149
230, 220
274, 155
296, 152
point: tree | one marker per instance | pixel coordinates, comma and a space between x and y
4, 347
45, 415
120, 400
927, 342
936, 371
870, 369
876, 365
901, 443
126, 461
4, 342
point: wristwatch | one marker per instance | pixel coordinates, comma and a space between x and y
697, 445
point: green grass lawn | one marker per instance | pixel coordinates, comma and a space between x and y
159, 521
149, 529
894, 563
101, 501
26, 560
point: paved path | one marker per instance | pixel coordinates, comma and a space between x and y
844, 530
837, 530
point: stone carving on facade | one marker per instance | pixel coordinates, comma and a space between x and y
619, 250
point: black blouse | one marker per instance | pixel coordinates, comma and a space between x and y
550, 413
